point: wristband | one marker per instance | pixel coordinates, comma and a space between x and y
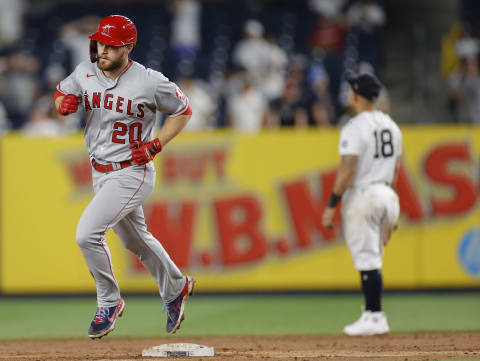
334, 199
155, 146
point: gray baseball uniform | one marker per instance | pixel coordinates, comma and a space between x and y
119, 112
370, 205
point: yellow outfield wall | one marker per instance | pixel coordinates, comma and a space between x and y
242, 212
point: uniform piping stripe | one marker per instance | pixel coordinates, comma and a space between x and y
109, 263
114, 218
130, 63
59, 89
183, 110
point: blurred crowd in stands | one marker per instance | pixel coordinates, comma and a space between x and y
243, 64
460, 64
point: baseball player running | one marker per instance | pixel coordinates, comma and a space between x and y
370, 147
120, 98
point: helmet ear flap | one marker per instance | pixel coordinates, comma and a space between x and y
93, 51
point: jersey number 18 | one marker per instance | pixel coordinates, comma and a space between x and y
383, 143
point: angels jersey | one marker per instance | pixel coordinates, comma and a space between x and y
377, 141
120, 111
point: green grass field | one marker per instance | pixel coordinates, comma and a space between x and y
41, 318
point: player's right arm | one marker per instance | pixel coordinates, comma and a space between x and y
67, 104
66, 100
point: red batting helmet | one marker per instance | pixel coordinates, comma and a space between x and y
116, 30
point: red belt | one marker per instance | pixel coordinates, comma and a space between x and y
104, 168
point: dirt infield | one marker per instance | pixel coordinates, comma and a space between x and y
422, 346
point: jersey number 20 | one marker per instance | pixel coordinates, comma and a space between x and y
120, 132
383, 143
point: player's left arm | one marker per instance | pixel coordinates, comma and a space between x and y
398, 162
398, 159
171, 100
343, 180
173, 126
143, 153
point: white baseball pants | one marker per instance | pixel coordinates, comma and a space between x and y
369, 214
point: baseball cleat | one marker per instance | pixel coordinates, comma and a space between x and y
176, 308
369, 323
104, 321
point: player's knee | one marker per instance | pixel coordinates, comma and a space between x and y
83, 237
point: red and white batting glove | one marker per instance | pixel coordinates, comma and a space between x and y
69, 104
142, 153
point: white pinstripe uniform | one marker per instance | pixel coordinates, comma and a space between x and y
370, 205
119, 112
